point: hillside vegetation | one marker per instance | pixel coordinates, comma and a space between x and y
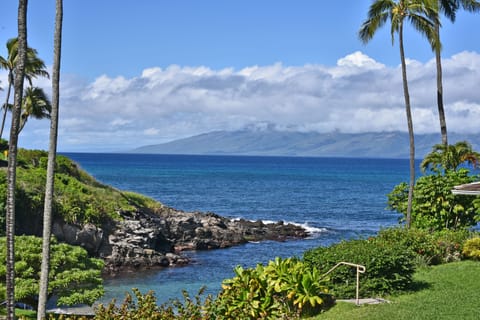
78, 198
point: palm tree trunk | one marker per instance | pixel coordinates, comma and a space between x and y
410, 129
10, 82
12, 158
52, 153
441, 111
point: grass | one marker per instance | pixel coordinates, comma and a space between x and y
448, 291
20, 313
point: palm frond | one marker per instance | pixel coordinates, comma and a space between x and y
470, 5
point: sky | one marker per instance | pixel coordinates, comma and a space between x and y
136, 73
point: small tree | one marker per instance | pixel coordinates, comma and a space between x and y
74, 277
434, 205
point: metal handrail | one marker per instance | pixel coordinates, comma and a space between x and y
360, 269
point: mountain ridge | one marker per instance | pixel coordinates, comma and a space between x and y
270, 142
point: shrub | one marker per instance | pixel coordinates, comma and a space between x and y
471, 248
283, 288
389, 267
144, 306
428, 247
74, 277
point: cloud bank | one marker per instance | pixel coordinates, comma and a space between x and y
358, 94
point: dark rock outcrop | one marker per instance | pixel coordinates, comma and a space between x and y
156, 239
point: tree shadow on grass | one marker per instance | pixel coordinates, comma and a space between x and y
417, 285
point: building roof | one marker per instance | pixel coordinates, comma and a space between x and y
469, 189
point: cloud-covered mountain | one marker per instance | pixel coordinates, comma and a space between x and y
270, 142
356, 95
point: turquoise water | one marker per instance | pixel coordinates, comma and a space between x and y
335, 198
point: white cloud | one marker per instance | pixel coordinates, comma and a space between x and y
151, 132
357, 94
118, 122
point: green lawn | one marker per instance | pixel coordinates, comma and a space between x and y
449, 291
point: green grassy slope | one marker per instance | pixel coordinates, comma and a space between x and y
448, 291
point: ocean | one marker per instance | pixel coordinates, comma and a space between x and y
333, 198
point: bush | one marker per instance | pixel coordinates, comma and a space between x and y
430, 248
74, 277
389, 267
283, 288
144, 306
471, 248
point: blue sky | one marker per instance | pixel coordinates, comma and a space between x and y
154, 70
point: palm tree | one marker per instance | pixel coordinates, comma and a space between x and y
20, 68
52, 152
34, 67
449, 9
445, 158
35, 104
421, 14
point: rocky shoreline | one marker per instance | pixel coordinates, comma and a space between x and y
144, 239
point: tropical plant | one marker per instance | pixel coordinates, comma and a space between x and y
52, 156
305, 286
74, 278
144, 306
247, 296
449, 9
20, 68
422, 15
450, 157
283, 288
33, 67
35, 104
435, 207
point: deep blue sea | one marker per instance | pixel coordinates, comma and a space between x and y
335, 198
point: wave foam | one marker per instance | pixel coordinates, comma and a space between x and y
313, 231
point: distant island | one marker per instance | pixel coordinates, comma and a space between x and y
272, 142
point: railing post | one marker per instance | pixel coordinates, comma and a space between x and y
360, 269
357, 302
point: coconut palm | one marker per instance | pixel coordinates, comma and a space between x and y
35, 104
52, 153
20, 68
444, 158
422, 16
34, 67
449, 9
